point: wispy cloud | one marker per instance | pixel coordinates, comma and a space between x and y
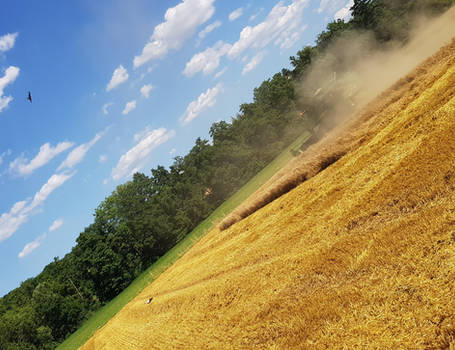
180, 24
323, 5
4, 154
220, 73
330, 5
345, 12
54, 182
278, 28
291, 40
12, 220
119, 76
102, 159
145, 90
142, 134
205, 100
21, 211
254, 16
133, 160
106, 106
149, 70
77, 155
211, 27
280, 23
10, 76
23, 167
253, 63
7, 42
236, 14
30, 247
129, 107
207, 61
56, 225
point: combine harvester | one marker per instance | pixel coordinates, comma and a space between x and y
359, 255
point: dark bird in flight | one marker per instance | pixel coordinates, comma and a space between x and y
29, 97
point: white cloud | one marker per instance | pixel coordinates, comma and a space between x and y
119, 76
23, 167
279, 27
180, 24
17, 207
253, 63
205, 100
54, 182
10, 76
7, 42
106, 106
323, 5
221, 72
20, 212
142, 134
203, 33
30, 247
207, 61
345, 12
4, 102
77, 155
102, 159
133, 160
330, 5
291, 40
280, 23
56, 224
129, 107
236, 14
145, 90
11, 221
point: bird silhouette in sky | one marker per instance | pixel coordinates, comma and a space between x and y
29, 97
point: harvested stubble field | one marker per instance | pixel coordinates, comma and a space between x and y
361, 255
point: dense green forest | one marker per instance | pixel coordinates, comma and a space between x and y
143, 218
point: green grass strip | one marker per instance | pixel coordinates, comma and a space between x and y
103, 315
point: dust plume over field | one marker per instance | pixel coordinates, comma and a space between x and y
360, 256
362, 68
366, 71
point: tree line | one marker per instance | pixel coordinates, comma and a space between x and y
145, 217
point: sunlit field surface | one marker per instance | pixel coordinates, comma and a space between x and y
361, 255
106, 313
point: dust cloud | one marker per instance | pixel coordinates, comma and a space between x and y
357, 82
356, 68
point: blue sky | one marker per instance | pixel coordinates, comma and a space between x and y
118, 87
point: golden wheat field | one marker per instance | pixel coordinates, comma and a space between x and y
359, 256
